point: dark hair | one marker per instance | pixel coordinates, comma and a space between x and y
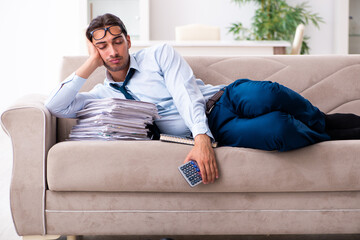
105, 20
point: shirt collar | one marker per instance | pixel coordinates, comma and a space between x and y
133, 64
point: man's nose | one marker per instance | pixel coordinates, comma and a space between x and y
113, 50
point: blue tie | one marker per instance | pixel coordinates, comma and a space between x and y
122, 88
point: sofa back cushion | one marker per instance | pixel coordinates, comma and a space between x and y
332, 83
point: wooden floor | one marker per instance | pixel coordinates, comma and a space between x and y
7, 230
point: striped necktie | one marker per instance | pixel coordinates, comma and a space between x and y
122, 87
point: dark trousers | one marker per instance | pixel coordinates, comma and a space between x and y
265, 115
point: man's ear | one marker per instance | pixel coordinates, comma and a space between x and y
128, 41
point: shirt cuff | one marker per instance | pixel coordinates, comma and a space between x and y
202, 128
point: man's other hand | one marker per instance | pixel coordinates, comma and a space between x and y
92, 63
204, 155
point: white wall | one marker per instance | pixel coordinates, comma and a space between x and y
321, 40
33, 38
165, 15
341, 26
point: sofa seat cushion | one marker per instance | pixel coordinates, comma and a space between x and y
151, 166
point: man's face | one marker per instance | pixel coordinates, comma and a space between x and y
114, 50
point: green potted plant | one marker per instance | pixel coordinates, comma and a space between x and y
276, 20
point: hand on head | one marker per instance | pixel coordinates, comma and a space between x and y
94, 54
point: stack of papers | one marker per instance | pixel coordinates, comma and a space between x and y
114, 119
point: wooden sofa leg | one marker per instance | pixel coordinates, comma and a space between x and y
39, 237
71, 237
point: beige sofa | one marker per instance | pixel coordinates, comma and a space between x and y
134, 187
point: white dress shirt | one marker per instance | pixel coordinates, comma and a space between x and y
162, 77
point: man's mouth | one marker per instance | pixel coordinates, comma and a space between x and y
114, 60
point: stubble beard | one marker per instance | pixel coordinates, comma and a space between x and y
116, 68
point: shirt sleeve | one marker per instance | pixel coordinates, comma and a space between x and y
66, 100
181, 83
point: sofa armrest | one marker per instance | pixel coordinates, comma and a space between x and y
32, 130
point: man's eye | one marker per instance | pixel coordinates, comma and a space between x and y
101, 46
119, 42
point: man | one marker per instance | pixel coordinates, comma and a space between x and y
262, 115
